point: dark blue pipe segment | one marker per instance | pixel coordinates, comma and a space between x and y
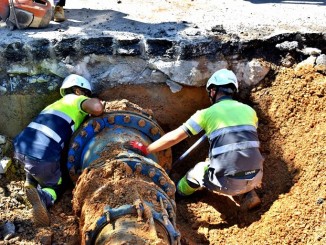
159, 196
119, 117
169, 227
118, 135
120, 211
115, 213
82, 140
146, 129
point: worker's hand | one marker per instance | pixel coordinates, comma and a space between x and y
137, 147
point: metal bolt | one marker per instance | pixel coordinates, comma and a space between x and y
107, 216
154, 194
96, 126
126, 119
165, 203
162, 180
141, 123
169, 192
151, 172
173, 203
138, 205
154, 131
83, 133
111, 119
75, 146
71, 158
87, 237
138, 168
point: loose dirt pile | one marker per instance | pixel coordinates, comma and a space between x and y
291, 107
292, 112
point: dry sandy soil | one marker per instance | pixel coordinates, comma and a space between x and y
291, 106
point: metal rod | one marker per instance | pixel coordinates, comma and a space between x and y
195, 145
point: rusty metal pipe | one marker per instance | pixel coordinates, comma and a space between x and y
120, 196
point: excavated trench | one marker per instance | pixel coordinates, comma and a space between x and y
290, 103
292, 120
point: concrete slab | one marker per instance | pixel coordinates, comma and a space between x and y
177, 19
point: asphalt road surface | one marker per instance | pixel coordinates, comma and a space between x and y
177, 19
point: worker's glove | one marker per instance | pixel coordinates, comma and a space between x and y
137, 147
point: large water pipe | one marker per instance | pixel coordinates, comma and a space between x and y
122, 197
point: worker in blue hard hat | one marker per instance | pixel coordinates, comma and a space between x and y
235, 164
40, 145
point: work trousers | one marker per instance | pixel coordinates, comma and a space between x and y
47, 174
198, 177
59, 3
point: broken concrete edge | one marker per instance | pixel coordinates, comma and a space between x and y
40, 65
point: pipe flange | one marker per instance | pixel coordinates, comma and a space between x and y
111, 214
94, 126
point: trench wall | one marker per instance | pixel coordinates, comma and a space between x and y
165, 75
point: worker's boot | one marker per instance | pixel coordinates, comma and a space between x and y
251, 200
40, 212
59, 14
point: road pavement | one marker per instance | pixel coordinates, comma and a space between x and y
175, 19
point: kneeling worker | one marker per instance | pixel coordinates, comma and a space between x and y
40, 146
235, 163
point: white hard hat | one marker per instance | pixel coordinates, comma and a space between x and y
223, 77
74, 80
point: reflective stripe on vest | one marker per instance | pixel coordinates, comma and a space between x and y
233, 129
46, 130
194, 125
234, 147
62, 115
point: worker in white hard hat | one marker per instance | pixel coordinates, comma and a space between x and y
235, 164
39, 147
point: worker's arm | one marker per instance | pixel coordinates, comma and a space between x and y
168, 140
93, 106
